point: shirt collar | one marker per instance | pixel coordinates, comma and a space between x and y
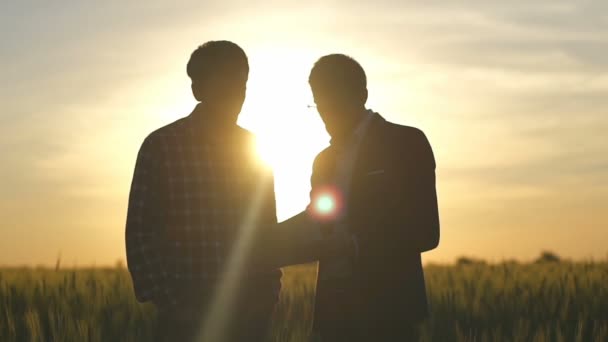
211, 130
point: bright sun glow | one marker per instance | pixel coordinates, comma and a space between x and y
289, 133
288, 137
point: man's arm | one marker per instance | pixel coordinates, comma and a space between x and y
296, 240
409, 222
144, 224
268, 215
419, 211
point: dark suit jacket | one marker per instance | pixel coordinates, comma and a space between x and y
393, 212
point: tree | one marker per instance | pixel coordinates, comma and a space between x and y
547, 256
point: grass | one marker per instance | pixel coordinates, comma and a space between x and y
562, 301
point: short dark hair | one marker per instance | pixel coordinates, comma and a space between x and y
220, 57
339, 69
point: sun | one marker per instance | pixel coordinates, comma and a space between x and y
290, 152
289, 133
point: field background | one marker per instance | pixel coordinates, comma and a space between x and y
470, 301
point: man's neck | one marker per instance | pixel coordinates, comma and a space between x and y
351, 125
216, 116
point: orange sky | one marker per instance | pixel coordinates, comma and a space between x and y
511, 96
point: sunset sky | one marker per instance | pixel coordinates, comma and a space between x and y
513, 97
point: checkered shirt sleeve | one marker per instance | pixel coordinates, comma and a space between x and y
143, 228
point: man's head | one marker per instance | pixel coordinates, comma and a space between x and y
339, 87
219, 72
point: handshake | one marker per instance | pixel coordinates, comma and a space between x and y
303, 238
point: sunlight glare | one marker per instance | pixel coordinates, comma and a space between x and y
289, 134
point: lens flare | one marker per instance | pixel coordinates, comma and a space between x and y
326, 203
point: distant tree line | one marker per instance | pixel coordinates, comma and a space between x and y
544, 257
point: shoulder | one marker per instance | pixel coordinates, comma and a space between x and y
321, 157
405, 132
404, 136
173, 129
245, 135
410, 139
153, 143
246, 143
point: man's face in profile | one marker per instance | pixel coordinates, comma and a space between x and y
333, 106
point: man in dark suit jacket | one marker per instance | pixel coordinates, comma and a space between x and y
382, 180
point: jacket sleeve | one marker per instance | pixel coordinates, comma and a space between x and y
408, 221
296, 240
144, 223
419, 209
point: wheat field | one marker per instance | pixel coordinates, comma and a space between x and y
551, 301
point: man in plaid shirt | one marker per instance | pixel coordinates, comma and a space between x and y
193, 188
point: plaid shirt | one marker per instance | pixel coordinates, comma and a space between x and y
191, 191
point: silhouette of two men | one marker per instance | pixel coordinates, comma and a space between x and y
196, 187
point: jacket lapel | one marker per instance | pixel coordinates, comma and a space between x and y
368, 154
